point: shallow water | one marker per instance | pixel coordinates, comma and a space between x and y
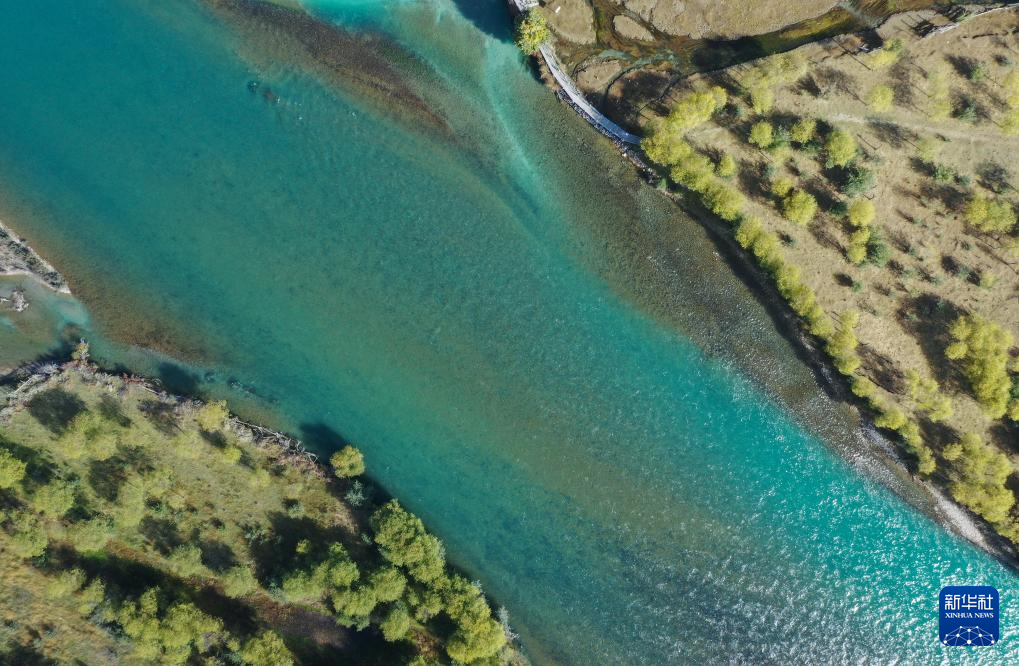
536, 354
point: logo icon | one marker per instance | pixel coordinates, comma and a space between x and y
968, 616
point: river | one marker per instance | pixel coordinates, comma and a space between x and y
433, 258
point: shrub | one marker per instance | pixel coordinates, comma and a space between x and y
780, 187
952, 452
878, 251
726, 202
347, 462
748, 231
887, 54
12, 470
532, 31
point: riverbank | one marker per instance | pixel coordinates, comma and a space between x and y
817, 356
226, 518
17, 258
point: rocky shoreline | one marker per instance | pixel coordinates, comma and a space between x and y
17, 258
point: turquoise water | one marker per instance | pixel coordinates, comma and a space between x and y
538, 356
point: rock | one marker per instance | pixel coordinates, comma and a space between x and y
630, 29
572, 20
18, 302
594, 77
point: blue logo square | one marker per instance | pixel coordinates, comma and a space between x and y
968, 616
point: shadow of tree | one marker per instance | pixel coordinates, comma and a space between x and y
162, 415
217, 555
927, 318
54, 408
491, 18
110, 409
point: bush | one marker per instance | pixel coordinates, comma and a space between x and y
92, 535
532, 31
347, 462
726, 202
762, 98
878, 251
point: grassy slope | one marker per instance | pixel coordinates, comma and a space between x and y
233, 511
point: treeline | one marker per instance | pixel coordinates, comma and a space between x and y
164, 528
976, 472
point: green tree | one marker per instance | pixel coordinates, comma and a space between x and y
981, 347
238, 581
762, 98
266, 649
172, 636
91, 536
990, 215
388, 584
54, 499
926, 395
402, 539
28, 536
861, 213
762, 134
92, 435
726, 167
12, 469
880, 98
65, 584
724, 201
347, 462
212, 416
887, 54
841, 148
532, 31
186, 561
396, 623
981, 473
800, 207
803, 130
